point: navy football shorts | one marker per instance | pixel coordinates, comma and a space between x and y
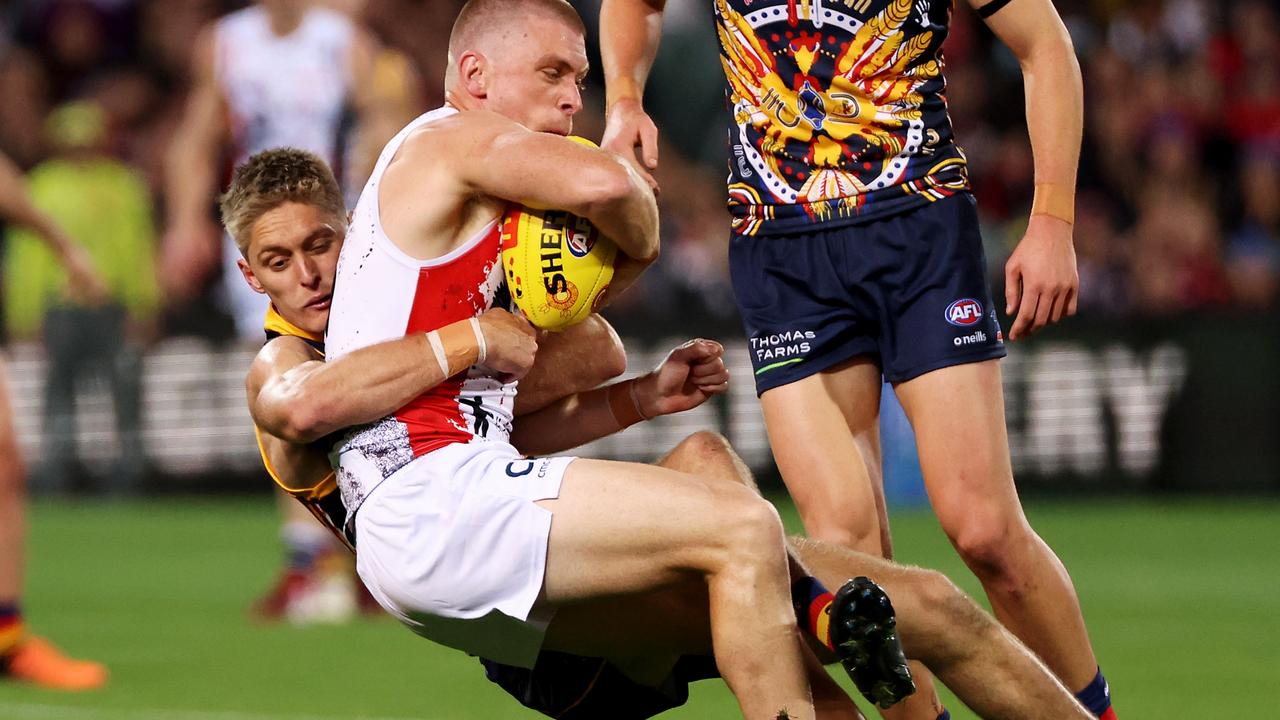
909, 291
572, 687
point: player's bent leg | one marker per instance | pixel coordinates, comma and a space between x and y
875, 661
984, 664
958, 417
836, 410
578, 358
662, 527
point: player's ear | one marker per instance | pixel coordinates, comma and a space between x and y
473, 72
249, 277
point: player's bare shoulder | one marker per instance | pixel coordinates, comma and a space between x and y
452, 143
278, 356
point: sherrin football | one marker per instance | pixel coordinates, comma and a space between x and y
558, 265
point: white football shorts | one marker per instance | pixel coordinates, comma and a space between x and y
453, 546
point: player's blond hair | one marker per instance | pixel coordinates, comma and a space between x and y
479, 16
274, 177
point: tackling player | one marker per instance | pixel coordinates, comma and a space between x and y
285, 212
26, 657
856, 254
279, 72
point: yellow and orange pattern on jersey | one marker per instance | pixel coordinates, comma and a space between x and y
318, 494
838, 110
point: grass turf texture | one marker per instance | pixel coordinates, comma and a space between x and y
1182, 597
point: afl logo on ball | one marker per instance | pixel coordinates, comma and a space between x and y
580, 237
964, 312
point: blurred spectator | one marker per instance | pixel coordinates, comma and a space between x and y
105, 206
1253, 250
1182, 97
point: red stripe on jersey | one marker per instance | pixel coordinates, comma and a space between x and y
446, 293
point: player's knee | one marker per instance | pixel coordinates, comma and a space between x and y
707, 445
752, 529
990, 547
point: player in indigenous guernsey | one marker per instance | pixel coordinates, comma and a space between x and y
855, 255
286, 214
279, 72
25, 657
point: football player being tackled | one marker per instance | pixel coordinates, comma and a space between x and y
685, 558
285, 213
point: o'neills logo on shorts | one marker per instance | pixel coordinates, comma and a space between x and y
783, 345
975, 339
964, 312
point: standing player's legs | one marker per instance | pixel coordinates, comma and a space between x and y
958, 417
22, 657
624, 529
811, 333
839, 489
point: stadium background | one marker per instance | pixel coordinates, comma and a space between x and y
1144, 430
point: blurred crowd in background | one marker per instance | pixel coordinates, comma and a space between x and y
1179, 206
1178, 210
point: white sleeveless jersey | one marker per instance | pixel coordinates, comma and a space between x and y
381, 294
289, 91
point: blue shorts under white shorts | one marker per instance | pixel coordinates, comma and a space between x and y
909, 291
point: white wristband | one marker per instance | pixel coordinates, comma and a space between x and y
438, 348
482, 350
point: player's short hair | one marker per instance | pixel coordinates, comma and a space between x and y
274, 177
478, 16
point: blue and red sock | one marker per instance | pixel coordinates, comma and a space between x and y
11, 627
812, 603
1096, 698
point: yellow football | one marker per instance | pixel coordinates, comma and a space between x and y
558, 265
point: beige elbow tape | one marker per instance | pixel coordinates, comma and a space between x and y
1055, 200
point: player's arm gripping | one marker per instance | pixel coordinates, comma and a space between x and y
688, 377
630, 31
296, 396
1041, 282
501, 158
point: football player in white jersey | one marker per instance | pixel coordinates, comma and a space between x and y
287, 212
279, 72
454, 526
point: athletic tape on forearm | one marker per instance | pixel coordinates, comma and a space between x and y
455, 347
623, 404
1055, 200
437, 348
482, 352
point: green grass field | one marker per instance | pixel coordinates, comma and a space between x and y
1183, 601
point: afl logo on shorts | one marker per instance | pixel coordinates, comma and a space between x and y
964, 312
